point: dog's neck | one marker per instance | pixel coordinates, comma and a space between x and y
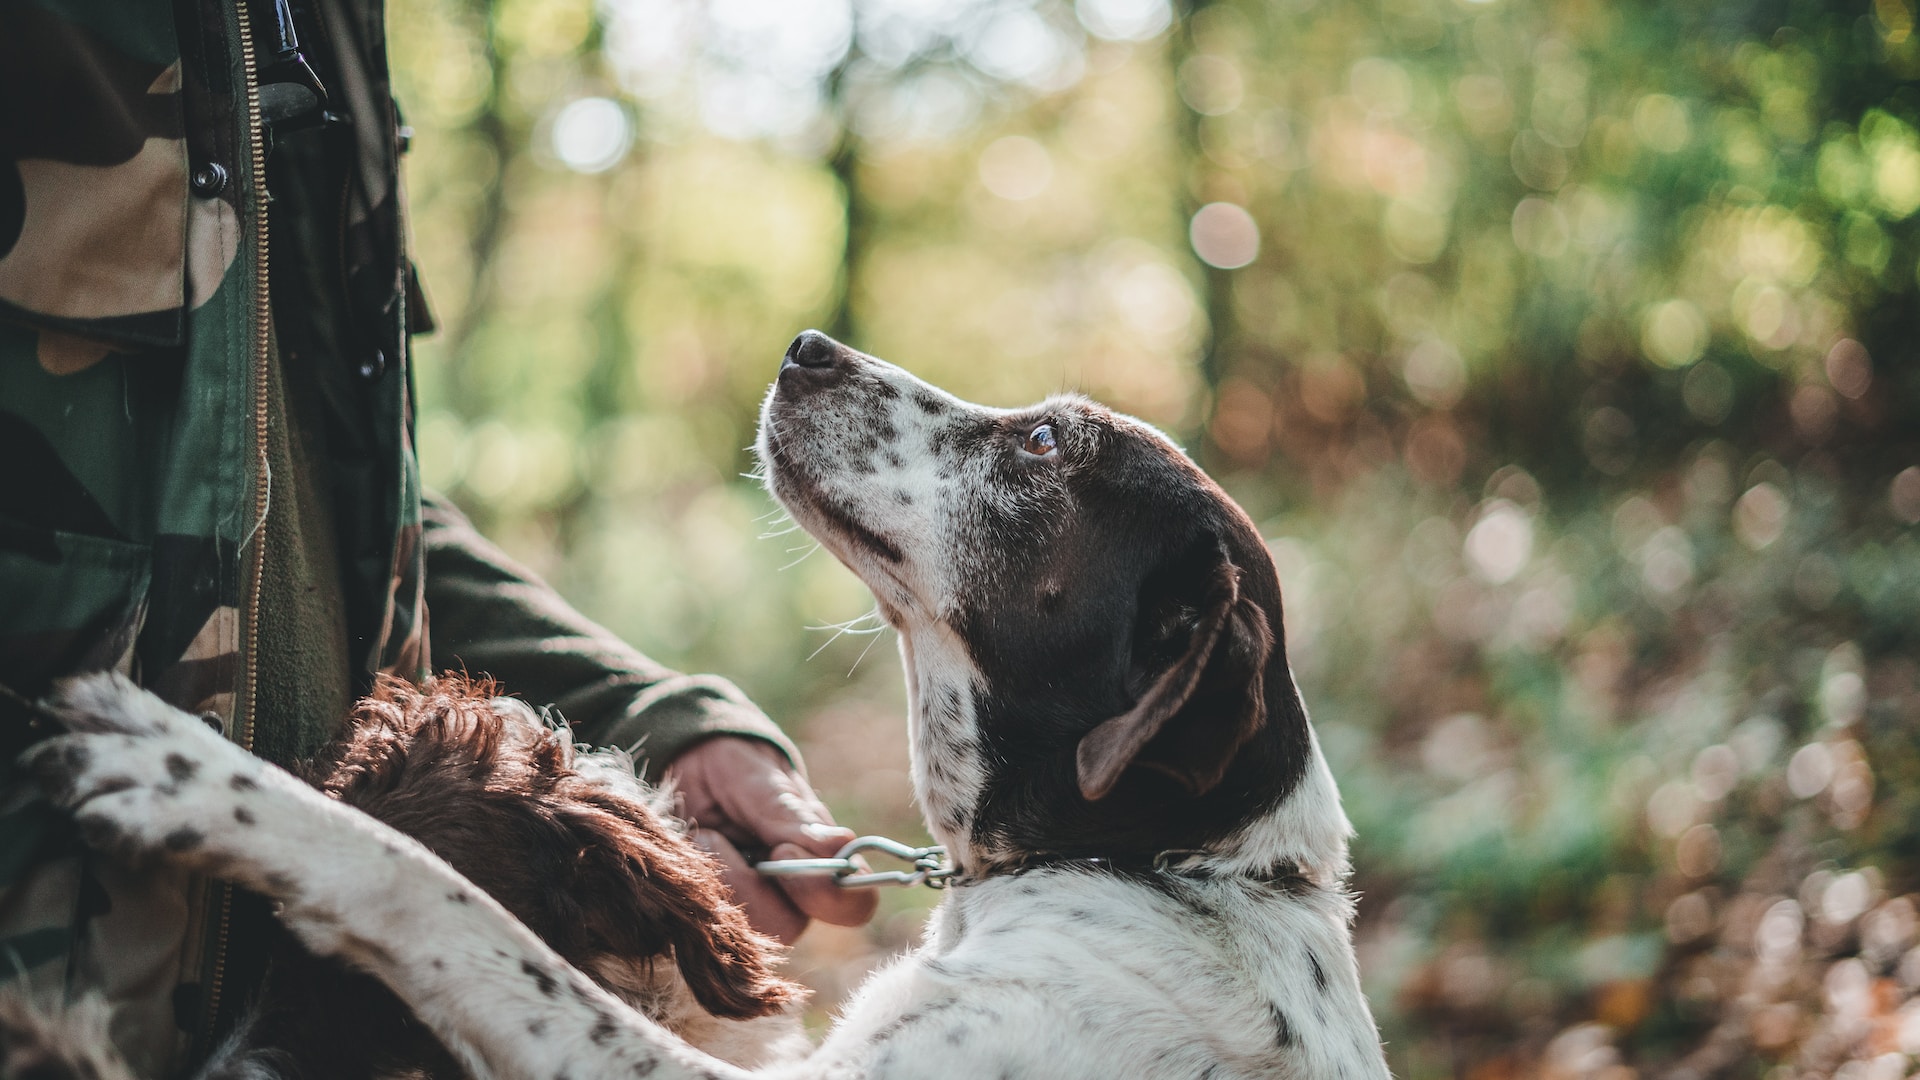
1307, 830
1305, 833
1304, 837
946, 762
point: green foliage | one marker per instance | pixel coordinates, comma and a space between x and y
1566, 354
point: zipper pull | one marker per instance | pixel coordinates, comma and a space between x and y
292, 96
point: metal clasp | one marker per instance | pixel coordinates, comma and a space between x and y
930, 866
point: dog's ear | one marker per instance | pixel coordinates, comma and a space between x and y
640, 889
1205, 647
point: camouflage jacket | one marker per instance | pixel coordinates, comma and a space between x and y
208, 477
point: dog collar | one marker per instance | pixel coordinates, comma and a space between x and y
932, 868
1175, 863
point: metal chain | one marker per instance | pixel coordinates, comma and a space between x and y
930, 867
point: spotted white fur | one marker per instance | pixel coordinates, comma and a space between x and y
1062, 971
914, 497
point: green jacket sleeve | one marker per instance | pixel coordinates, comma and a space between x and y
492, 616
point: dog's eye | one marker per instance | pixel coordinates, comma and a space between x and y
1040, 441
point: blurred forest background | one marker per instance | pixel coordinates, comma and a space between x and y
1563, 348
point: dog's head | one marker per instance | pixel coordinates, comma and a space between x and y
1092, 628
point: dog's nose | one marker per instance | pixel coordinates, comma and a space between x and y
812, 349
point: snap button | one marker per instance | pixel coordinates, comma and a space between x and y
209, 180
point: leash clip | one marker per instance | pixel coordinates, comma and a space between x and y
930, 866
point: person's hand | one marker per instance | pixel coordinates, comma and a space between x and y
740, 792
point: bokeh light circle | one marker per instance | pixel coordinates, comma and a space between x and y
1674, 333
1124, 20
591, 134
1225, 236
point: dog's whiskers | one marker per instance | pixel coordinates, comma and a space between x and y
851, 626
808, 554
874, 636
775, 518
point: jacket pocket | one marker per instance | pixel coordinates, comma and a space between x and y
72, 603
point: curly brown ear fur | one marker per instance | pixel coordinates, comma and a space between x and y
635, 895
592, 870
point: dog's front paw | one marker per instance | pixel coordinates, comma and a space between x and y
139, 775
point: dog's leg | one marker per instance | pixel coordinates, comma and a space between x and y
145, 779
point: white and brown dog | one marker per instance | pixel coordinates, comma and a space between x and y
1106, 736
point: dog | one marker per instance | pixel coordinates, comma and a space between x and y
569, 840
1149, 849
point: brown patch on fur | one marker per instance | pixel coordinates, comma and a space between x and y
594, 871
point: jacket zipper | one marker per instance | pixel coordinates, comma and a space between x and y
244, 701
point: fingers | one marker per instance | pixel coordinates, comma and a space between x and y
767, 908
783, 810
819, 897
794, 824
746, 789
